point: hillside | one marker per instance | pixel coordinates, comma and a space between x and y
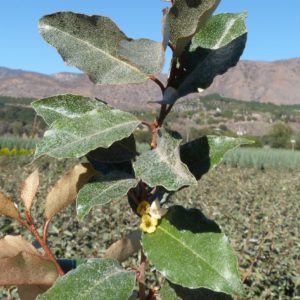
275, 82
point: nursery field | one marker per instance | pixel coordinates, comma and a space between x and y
257, 209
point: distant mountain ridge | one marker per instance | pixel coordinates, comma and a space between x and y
276, 82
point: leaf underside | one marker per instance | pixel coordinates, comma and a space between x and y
162, 166
7, 207
185, 18
215, 48
22, 264
65, 190
98, 47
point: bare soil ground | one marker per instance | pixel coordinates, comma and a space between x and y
258, 210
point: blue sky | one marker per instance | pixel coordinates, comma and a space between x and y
273, 28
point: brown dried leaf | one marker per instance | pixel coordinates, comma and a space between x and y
66, 189
23, 264
27, 269
29, 188
30, 292
11, 246
8, 208
125, 247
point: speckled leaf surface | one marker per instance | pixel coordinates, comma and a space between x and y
220, 145
185, 18
113, 186
66, 105
220, 30
79, 129
167, 293
98, 47
190, 250
97, 279
145, 54
162, 166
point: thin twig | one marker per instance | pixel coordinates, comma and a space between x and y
148, 124
45, 230
31, 227
155, 127
158, 82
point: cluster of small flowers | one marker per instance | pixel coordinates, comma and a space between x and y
150, 215
15, 151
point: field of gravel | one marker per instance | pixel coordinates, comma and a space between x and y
258, 210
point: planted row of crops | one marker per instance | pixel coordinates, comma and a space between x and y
16, 146
263, 158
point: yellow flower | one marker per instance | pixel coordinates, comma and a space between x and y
143, 208
148, 224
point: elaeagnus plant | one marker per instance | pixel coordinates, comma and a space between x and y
189, 251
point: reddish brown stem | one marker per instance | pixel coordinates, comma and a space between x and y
164, 110
148, 124
31, 227
45, 230
158, 82
154, 128
142, 277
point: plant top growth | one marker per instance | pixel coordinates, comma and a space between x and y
189, 251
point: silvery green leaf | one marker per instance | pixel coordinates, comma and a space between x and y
81, 126
215, 48
219, 31
207, 152
201, 66
190, 250
101, 279
113, 186
185, 18
162, 166
220, 145
145, 54
65, 106
98, 47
